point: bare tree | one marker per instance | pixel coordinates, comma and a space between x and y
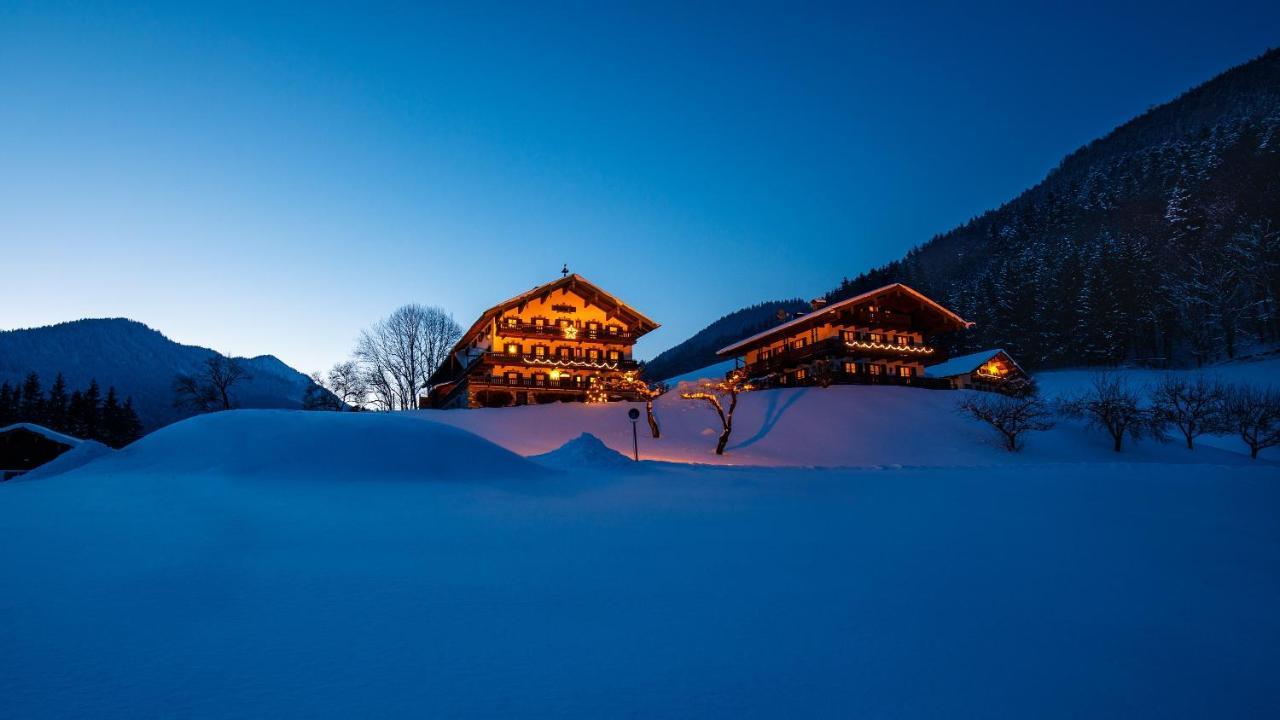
1110, 404
1011, 416
346, 382
1191, 406
1254, 415
400, 352
715, 394
631, 381
210, 388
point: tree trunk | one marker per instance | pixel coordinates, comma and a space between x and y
653, 422
1119, 439
724, 440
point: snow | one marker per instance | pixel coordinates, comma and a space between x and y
335, 565
83, 453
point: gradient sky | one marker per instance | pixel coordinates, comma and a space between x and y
271, 178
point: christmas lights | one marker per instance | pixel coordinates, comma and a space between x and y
569, 363
919, 349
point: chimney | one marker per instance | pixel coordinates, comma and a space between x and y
818, 303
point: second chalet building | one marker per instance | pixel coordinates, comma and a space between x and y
566, 340
882, 336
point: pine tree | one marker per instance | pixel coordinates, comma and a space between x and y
111, 428
31, 408
56, 405
131, 425
8, 405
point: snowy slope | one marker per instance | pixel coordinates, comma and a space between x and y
139, 362
253, 564
840, 426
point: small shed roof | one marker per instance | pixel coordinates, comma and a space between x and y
966, 364
44, 432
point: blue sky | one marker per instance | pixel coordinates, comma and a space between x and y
267, 178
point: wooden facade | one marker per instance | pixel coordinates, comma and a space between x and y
882, 336
566, 341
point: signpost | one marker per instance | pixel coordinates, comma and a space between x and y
634, 414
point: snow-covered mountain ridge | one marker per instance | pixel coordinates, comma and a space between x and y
139, 361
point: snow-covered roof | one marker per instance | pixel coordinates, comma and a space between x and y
966, 364
929, 302
43, 431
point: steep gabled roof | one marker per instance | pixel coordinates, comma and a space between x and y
817, 315
966, 364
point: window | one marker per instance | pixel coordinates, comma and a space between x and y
593, 329
513, 378
801, 374
848, 335
877, 338
564, 353
903, 340
513, 349
875, 369
799, 343
540, 351
614, 356
851, 368
905, 371
539, 379
593, 355
511, 322
614, 330
765, 353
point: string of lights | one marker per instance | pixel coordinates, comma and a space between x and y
865, 345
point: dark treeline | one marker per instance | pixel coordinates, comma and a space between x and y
84, 414
700, 350
1158, 243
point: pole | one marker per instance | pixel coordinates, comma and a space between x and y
635, 443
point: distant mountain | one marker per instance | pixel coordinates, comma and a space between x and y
700, 350
1159, 242
140, 362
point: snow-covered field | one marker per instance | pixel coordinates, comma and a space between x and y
289, 564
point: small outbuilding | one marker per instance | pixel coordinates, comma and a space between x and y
993, 370
25, 447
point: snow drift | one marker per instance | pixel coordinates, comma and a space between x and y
297, 444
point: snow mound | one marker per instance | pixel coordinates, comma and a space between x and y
85, 452
585, 451
295, 443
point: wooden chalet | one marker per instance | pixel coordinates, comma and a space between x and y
882, 336
566, 341
986, 370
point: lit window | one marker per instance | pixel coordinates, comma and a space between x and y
539, 322
513, 349
801, 374
540, 350
613, 329
904, 371
903, 340
614, 355
851, 368
877, 337
875, 369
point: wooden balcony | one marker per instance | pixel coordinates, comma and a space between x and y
553, 363
834, 348
551, 332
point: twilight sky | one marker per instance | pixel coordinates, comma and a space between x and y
264, 178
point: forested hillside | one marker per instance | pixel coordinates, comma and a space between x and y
1158, 243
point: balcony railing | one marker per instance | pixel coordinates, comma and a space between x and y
549, 362
835, 348
551, 332
845, 378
